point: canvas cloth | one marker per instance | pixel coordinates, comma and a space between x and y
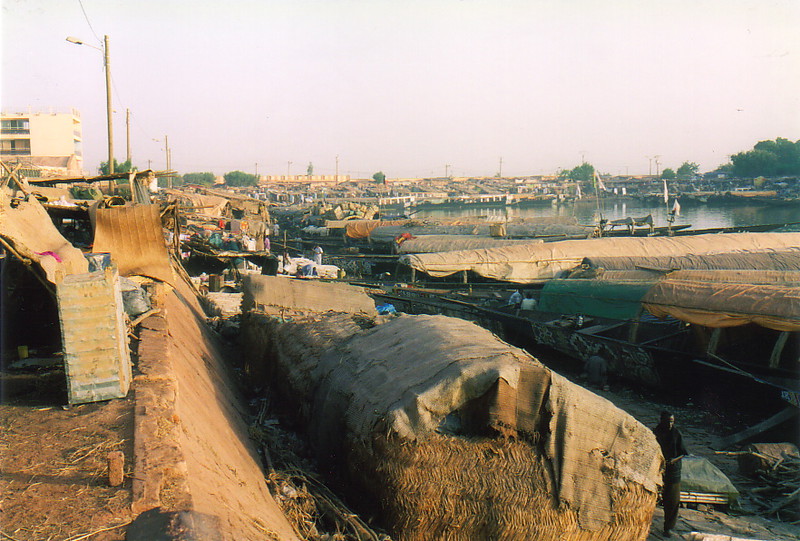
535, 262
29, 230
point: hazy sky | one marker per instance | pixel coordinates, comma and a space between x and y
407, 87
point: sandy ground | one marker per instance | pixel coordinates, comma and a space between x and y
53, 471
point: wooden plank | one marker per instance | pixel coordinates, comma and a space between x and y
780, 417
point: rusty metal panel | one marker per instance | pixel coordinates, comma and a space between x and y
94, 336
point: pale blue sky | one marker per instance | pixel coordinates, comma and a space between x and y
408, 87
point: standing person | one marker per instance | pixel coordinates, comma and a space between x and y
515, 299
318, 255
672, 448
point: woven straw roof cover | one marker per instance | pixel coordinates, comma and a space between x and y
408, 374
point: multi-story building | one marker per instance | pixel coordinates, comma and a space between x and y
43, 142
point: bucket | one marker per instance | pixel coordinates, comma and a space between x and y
214, 282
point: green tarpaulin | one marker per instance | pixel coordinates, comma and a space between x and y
613, 300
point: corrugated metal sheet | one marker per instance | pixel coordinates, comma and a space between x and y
94, 336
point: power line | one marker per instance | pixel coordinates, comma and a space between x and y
89, 22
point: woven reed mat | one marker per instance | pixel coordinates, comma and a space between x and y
135, 239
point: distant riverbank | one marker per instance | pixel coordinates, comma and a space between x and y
586, 211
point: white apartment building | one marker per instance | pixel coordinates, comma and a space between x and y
44, 142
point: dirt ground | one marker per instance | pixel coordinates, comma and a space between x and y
700, 429
53, 470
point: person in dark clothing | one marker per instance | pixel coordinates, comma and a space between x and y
672, 448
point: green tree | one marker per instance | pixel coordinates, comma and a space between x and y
668, 174
379, 177
204, 179
124, 167
584, 171
310, 169
768, 158
688, 170
240, 178
755, 163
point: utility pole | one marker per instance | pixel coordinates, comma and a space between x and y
107, 65
500, 169
128, 134
108, 107
337, 168
169, 167
657, 163
650, 169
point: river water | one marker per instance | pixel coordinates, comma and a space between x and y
586, 212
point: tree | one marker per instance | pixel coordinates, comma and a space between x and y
124, 167
204, 179
240, 178
668, 174
755, 163
584, 171
310, 169
687, 170
768, 158
379, 177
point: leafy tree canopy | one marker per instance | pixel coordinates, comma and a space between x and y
204, 179
687, 170
310, 169
240, 178
668, 174
124, 167
768, 158
584, 171
379, 177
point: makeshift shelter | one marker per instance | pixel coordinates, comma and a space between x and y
537, 262
457, 435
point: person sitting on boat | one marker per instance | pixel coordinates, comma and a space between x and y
515, 300
528, 303
596, 369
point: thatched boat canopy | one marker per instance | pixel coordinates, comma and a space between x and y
530, 263
455, 434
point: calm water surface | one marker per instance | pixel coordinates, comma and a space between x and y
699, 217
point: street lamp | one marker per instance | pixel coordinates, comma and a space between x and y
107, 65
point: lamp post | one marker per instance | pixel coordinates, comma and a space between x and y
107, 65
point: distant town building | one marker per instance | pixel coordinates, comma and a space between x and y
44, 143
297, 179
